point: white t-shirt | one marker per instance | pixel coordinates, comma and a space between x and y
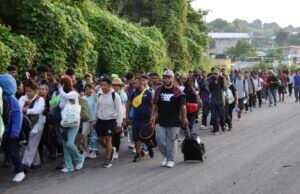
258, 83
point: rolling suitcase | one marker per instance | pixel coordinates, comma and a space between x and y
192, 147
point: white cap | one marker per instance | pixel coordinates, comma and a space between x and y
169, 73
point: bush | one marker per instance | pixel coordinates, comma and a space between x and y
60, 32
5, 56
122, 46
24, 50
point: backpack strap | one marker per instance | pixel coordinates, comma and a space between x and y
113, 95
33, 102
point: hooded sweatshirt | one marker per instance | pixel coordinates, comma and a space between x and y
9, 87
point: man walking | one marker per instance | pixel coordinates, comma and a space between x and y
241, 87
139, 111
169, 113
217, 102
110, 118
297, 86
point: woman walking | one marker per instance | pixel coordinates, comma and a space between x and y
68, 95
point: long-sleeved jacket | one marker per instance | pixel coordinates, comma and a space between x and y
109, 108
13, 127
37, 109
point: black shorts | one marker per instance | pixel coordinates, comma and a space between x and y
281, 90
105, 127
241, 103
136, 128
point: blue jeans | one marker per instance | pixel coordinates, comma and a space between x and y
272, 96
297, 92
11, 148
70, 150
191, 118
218, 113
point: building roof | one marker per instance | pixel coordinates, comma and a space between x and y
229, 35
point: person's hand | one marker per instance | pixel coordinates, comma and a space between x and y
152, 122
27, 103
185, 122
25, 109
118, 129
126, 120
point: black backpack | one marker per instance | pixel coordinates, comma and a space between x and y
191, 148
6, 112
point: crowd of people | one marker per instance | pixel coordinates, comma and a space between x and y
70, 119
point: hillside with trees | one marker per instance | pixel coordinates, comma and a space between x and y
265, 35
103, 36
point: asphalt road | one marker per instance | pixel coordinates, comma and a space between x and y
260, 155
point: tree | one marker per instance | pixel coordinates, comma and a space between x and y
220, 25
294, 39
282, 37
241, 48
257, 24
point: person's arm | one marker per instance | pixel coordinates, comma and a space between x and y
128, 107
69, 96
183, 112
39, 107
118, 104
154, 114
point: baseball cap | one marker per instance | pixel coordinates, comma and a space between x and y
216, 71
168, 72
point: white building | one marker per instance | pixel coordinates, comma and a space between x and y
292, 54
225, 40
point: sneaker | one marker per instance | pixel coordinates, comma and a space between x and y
107, 164
115, 153
151, 152
215, 133
131, 146
170, 164
164, 162
80, 164
133, 150
92, 155
85, 154
251, 109
144, 152
66, 170
137, 158
19, 177
203, 127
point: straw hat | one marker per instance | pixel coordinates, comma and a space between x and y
117, 82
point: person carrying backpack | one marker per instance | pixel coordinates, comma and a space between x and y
109, 118
241, 86
33, 108
88, 126
273, 85
139, 112
192, 102
12, 117
251, 91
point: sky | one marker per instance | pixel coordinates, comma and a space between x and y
282, 12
